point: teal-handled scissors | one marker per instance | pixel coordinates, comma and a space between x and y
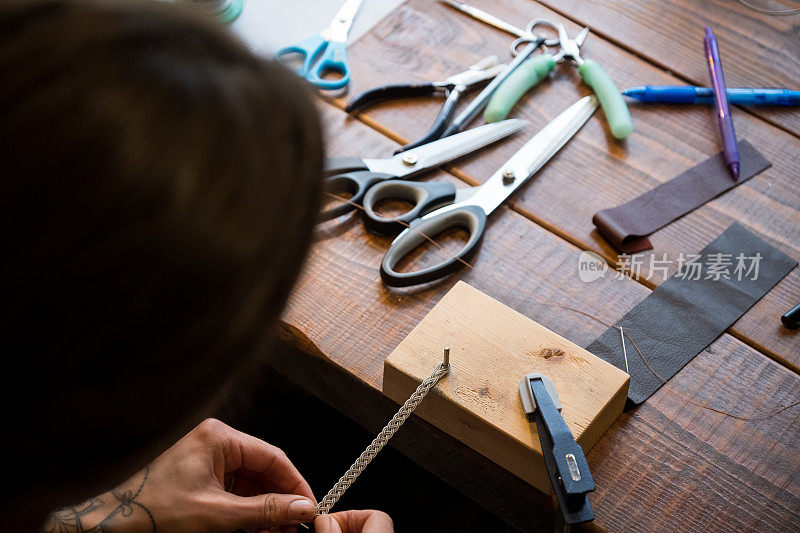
325, 52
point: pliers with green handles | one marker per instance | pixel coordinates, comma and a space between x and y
536, 69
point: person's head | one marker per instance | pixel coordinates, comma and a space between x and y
158, 188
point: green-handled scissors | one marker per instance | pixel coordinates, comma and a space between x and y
326, 52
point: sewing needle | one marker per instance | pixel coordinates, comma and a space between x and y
624, 351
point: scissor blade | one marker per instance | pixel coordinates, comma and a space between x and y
534, 154
435, 153
485, 17
343, 21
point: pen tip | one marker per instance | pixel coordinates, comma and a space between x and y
708, 31
734, 167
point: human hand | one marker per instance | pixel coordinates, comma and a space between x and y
184, 490
367, 521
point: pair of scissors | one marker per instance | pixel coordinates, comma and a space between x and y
465, 208
326, 52
452, 88
350, 178
523, 36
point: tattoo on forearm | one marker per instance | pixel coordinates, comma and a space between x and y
103, 513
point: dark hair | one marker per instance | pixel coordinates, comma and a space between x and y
159, 185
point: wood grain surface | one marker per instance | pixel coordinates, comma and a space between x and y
594, 171
478, 402
673, 463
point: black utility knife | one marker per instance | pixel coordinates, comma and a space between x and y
563, 457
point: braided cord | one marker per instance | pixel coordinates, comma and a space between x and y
380, 441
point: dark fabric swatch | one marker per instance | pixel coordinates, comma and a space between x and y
681, 317
626, 227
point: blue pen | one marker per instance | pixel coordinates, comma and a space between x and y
685, 94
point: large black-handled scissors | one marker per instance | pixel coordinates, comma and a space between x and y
349, 178
465, 208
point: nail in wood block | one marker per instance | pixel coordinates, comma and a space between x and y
491, 348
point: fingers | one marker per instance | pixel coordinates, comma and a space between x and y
361, 521
245, 451
269, 511
325, 523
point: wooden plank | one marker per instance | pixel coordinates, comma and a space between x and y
478, 402
670, 460
648, 464
758, 50
593, 171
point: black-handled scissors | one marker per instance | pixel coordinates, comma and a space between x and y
452, 88
349, 178
465, 208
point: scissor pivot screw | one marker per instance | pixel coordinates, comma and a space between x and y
508, 176
410, 160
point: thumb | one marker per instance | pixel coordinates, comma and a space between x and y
270, 510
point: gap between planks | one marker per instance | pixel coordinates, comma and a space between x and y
571, 239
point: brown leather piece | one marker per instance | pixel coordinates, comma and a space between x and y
627, 226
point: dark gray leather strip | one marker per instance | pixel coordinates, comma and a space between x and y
681, 317
626, 227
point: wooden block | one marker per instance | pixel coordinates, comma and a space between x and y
491, 348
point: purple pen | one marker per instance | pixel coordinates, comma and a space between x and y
724, 120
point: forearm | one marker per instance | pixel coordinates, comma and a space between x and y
184, 490
118, 510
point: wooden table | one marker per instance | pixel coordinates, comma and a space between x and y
671, 464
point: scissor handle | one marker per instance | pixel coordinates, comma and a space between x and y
309, 48
342, 165
470, 217
530, 29
354, 184
333, 59
515, 44
425, 196
531, 37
